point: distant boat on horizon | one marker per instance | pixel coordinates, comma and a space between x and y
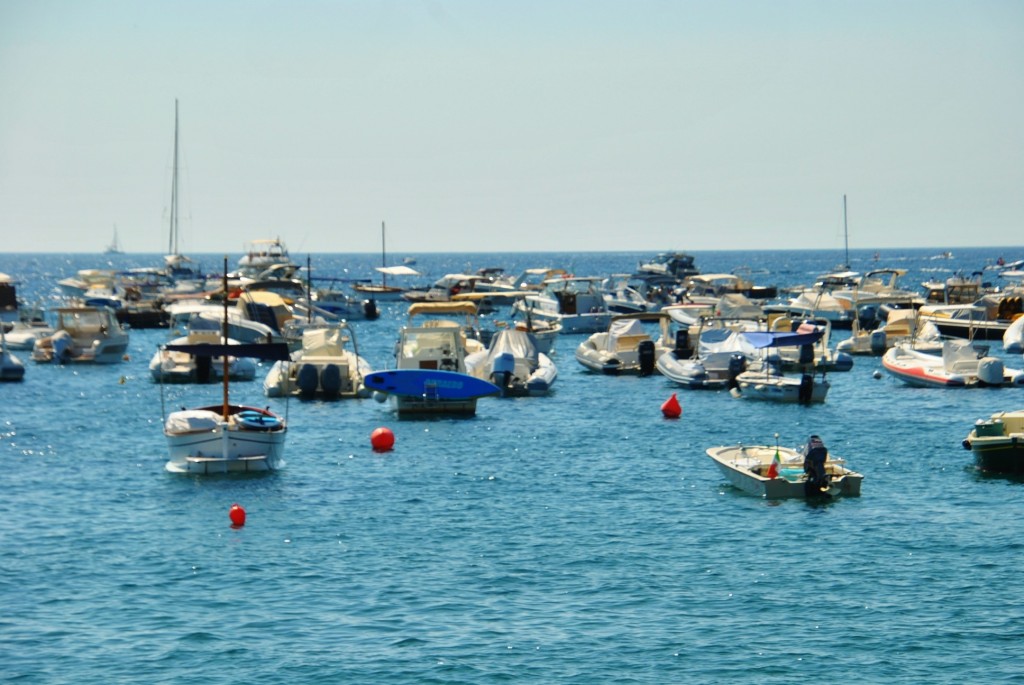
115, 245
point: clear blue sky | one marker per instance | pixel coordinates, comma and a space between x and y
512, 126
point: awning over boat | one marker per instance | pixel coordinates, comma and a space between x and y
270, 351
762, 339
398, 271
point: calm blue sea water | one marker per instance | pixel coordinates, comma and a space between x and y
578, 538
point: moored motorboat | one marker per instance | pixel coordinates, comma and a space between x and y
720, 356
83, 334
327, 366
430, 363
763, 379
775, 472
514, 364
575, 302
168, 366
626, 347
961, 364
998, 442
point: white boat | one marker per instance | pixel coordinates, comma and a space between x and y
327, 366
720, 284
513, 363
818, 303
576, 302
430, 343
341, 304
83, 335
11, 368
720, 356
263, 255
901, 325
764, 380
452, 286
623, 297
115, 245
775, 472
225, 437
961, 364
971, 321
179, 268
678, 265
169, 366
626, 347
544, 332
1013, 338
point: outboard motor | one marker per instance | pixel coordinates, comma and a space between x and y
683, 349
204, 368
370, 310
645, 355
737, 365
815, 460
308, 379
868, 316
330, 380
806, 391
807, 354
879, 344
502, 370
990, 371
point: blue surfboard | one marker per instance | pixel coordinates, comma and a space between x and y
430, 383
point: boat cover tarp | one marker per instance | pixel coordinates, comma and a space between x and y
192, 421
270, 351
322, 342
620, 328
515, 342
815, 300
398, 271
722, 340
762, 339
737, 306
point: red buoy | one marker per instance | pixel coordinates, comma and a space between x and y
237, 514
382, 439
671, 409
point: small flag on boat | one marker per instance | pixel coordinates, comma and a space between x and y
773, 469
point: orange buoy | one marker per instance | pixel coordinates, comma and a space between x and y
382, 439
671, 409
237, 514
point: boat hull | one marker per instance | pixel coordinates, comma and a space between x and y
743, 465
998, 443
756, 385
200, 441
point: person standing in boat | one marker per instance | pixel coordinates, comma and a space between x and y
815, 456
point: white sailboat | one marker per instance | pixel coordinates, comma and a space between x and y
115, 245
383, 291
178, 266
226, 438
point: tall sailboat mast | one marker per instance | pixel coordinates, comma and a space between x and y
383, 256
172, 240
846, 235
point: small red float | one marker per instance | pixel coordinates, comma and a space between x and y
382, 439
671, 409
237, 514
